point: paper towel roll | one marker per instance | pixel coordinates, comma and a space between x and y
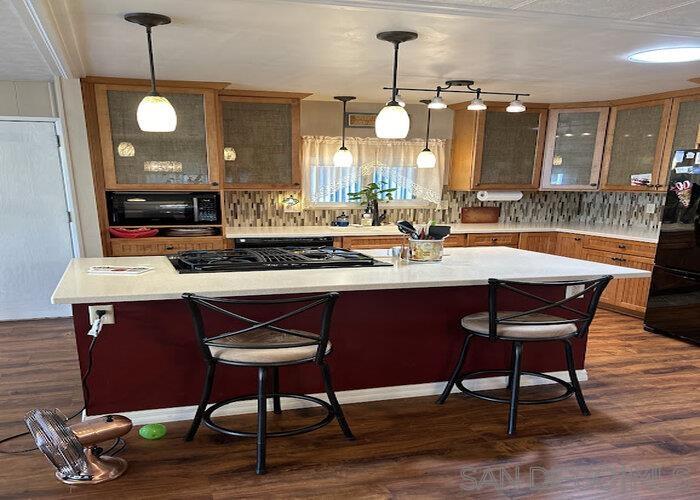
499, 195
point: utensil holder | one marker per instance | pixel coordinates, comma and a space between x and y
425, 250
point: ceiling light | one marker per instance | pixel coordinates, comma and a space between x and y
477, 104
585, 134
393, 121
515, 106
426, 158
437, 103
343, 157
229, 154
670, 55
155, 113
400, 100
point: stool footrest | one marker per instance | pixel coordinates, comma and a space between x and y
569, 388
207, 418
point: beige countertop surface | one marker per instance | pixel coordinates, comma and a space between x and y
459, 267
632, 234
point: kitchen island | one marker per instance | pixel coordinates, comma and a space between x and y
395, 330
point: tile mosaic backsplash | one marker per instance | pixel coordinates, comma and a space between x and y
264, 208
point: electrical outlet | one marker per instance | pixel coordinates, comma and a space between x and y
650, 208
107, 319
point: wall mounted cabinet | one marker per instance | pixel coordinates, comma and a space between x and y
494, 149
260, 142
132, 159
574, 149
634, 146
683, 132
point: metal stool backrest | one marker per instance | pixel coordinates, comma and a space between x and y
582, 317
325, 301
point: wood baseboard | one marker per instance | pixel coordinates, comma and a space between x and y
621, 310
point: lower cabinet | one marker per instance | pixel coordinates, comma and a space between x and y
538, 242
493, 240
628, 295
570, 245
126, 247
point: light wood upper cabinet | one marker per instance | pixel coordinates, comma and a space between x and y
132, 159
634, 145
683, 132
494, 149
260, 142
574, 149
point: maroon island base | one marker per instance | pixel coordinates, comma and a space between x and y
150, 358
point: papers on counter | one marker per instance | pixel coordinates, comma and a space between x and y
119, 270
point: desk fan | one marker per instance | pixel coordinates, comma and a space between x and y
71, 449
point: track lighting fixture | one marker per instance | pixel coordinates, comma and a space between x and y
515, 105
437, 102
477, 104
426, 158
155, 113
343, 157
393, 121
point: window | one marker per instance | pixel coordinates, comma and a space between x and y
391, 164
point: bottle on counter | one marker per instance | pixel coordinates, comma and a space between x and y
366, 218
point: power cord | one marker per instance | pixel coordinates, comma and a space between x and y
94, 332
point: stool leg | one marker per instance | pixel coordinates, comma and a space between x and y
574, 378
456, 372
339, 415
515, 387
206, 392
512, 359
276, 403
262, 421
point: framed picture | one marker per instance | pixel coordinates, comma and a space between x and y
360, 120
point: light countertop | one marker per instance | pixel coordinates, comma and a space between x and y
632, 234
459, 267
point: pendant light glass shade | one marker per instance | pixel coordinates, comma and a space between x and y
476, 105
156, 114
437, 103
392, 122
515, 106
342, 158
426, 159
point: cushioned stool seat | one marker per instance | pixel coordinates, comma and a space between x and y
240, 348
479, 324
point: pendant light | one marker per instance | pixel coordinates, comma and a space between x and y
426, 158
437, 102
343, 157
155, 113
393, 121
515, 106
477, 104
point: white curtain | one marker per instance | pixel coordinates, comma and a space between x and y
391, 160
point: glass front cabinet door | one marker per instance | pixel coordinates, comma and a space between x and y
509, 149
634, 146
574, 149
186, 158
261, 142
683, 132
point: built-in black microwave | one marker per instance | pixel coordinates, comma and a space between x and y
163, 209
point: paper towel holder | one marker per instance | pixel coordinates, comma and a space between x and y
499, 195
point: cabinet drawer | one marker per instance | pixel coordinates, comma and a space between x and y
163, 246
456, 240
627, 247
493, 239
369, 242
570, 245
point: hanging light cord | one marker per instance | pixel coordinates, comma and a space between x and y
394, 83
150, 61
343, 135
427, 130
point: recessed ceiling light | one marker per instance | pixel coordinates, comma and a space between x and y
675, 54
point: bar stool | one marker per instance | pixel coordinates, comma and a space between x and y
265, 344
533, 325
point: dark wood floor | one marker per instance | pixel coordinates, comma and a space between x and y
642, 440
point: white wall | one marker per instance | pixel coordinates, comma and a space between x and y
27, 99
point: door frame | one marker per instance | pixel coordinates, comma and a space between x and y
67, 175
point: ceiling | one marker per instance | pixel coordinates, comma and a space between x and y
557, 50
20, 59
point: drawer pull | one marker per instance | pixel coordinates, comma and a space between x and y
169, 247
621, 246
577, 239
494, 239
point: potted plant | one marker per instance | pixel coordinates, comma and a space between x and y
371, 195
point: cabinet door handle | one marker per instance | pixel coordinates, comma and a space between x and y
494, 240
214, 183
169, 247
577, 239
621, 246
594, 184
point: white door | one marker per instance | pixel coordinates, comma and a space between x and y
35, 239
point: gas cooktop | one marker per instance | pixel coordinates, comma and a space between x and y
269, 258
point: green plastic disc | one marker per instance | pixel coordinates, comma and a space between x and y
152, 431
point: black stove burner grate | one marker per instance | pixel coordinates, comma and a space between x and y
258, 259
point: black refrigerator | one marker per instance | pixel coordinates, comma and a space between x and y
673, 307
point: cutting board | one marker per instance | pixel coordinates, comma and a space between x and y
477, 215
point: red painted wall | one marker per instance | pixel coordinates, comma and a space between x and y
150, 359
